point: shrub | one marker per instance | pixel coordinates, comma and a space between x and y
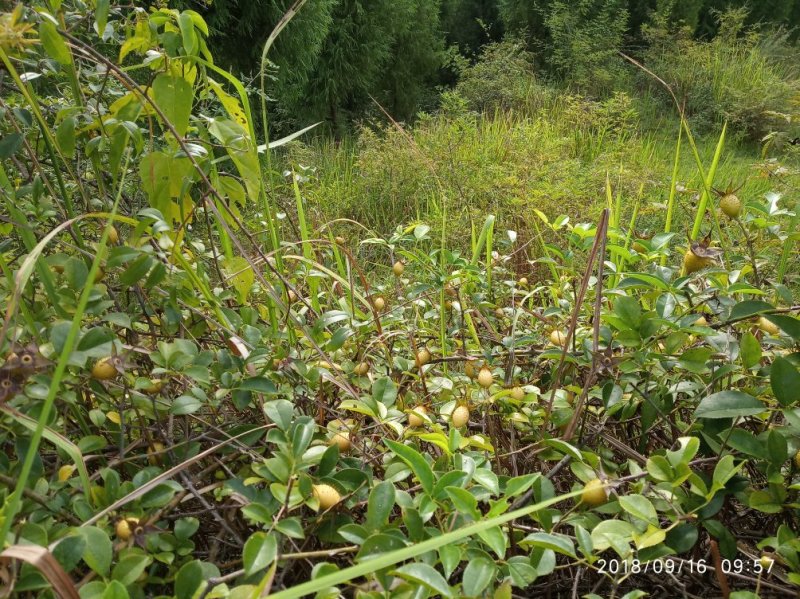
502, 78
741, 76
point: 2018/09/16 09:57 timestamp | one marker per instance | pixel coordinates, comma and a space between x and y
679, 566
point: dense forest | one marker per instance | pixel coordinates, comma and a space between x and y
399, 299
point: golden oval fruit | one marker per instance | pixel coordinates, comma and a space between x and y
104, 369
797, 459
326, 495
398, 268
113, 235
155, 453
499, 313
342, 441
768, 326
517, 393
154, 387
730, 205
340, 240
469, 370
361, 369
485, 378
558, 338
415, 417
65, 472
460, 416
523, 281
423, 357
594, 493
692, 262
700, 322
125, 528
379, 303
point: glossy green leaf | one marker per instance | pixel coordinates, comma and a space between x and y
728, 404
415, 461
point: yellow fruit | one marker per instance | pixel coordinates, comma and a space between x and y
570, 397
113, 235
326, 495
558, 338
639, 247
339, 240
767, 561
292, 296
99, 275
594, 493
485, 378
154, 387
460, 416
125, 528
398, 268
65, 472
499, 313
797, 459
768, 326
701, 322
523, 281
423, 357
415, 417
104, 369
154, 453
517, 394
692, 262
379, 303
469, 370
342, 440
361, 369
730, 205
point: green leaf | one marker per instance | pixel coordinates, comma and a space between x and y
728, 404
280, 412
789, 324
53, 43
415, 461
258, 384
174, 96
558, 543
192, 577
723, 472
384, 391
425, 575
130, 567
101, 15
260, 551
479, 572
98, 551
185, 404
464, 501
10, 144
188, 34
785, 381
749, 308
750, 350
65, 136
115, 590
380, 505
639, 507
495, 539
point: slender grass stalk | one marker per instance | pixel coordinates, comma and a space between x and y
387, 560
308, 250
708, 180
673, 187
